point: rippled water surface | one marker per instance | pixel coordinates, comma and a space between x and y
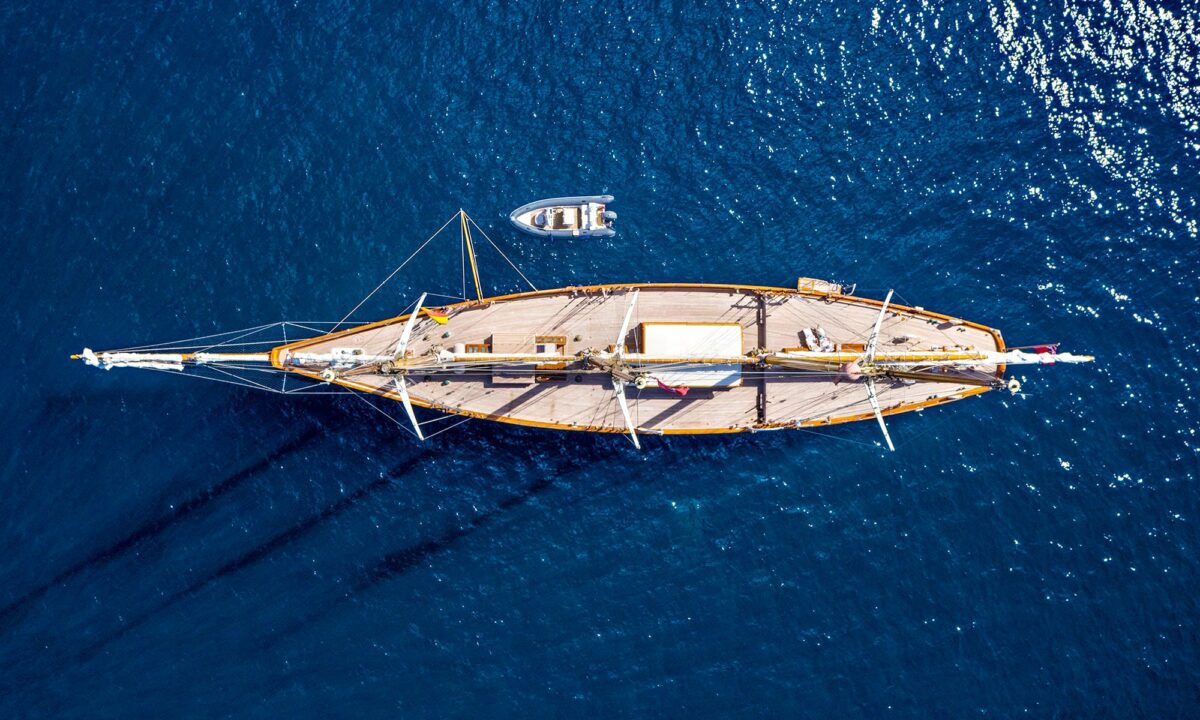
175, 548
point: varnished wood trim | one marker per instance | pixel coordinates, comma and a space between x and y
450, 309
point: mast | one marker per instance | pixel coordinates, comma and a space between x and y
466, 238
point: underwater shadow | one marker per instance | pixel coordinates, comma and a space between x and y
258, 553
159, 524
407, 558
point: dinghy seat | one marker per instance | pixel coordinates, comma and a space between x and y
566, 218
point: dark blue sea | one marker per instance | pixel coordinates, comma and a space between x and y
177, 548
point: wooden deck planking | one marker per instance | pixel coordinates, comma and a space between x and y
595, 318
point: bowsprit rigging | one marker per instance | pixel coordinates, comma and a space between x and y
643, 358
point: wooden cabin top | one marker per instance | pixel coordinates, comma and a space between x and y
565, 396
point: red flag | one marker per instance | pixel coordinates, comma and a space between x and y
680, 391
1043, 349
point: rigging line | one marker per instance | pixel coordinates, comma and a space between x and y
237, 366
199, 348
381, 412
308, 390
239, 377
248, 368
326, 322
249, 342
462, 252
243, 382
835, 437
239, 337
598, 409
201, 337
313, 329
637, 419
177, 373
192, 339
439, 418
263, 384
497, 249
314, 390
392, 274
439, 432
318, 384
312, 384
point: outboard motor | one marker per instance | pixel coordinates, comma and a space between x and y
609, 216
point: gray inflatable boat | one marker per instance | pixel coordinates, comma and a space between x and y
566, 217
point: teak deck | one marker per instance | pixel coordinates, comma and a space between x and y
573, 399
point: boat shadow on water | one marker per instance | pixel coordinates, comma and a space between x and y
167, 511
558, 473
260, 552
157, 525
525, 458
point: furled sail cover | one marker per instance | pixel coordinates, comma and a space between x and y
697, 340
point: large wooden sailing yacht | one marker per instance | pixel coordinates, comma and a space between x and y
645, 358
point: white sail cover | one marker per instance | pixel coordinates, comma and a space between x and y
702, 340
